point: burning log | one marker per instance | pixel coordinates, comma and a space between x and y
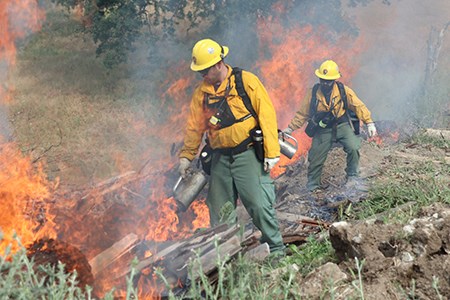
202, 249
113, 253
288, 217
111, 184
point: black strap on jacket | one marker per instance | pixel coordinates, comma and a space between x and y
343, 94
248, 142
237, 72
314, 103
351, 115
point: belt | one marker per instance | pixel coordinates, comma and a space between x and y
342, 119
242, 147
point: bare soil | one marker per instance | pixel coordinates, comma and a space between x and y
396, 261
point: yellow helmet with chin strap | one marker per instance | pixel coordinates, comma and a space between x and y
206, 53
328, 70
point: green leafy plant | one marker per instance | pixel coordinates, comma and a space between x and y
311, 254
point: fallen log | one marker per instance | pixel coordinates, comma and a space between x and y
419, 158
202, 249
113, 253
288, 217
208, 261
438, 133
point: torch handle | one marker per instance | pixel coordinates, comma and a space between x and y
177, 184
291, 137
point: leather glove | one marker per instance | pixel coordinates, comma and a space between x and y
371, 129
288, 130
269, 163
184, 165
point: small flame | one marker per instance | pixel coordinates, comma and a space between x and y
376, 139
202, 212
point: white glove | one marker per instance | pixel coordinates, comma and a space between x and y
269, 163
288, 130
184, 165
371, 129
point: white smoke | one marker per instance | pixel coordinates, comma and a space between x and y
392, 68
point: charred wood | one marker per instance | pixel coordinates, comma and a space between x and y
51, 252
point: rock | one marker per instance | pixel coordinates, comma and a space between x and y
319, 282
426, 240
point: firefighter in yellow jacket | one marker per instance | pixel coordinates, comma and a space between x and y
329, 120
236, 172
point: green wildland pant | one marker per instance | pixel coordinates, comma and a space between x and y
242, 175
321, 145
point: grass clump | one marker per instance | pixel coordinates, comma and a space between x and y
22, 278
424, 139
421, 182
311, 255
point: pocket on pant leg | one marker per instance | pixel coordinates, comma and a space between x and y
268, 188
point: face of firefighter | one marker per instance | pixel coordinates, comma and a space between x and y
326, 85
215, 74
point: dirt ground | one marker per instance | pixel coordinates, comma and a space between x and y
396, 261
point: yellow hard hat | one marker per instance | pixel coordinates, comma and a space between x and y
206, 53
328, 70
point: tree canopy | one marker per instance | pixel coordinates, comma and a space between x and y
116, 25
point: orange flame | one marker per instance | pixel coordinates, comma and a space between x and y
23, 191
201, 211
163, 222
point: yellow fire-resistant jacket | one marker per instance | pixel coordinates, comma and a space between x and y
229, 137
354, 104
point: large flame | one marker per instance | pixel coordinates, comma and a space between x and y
286, 65
24, 191
23, 188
